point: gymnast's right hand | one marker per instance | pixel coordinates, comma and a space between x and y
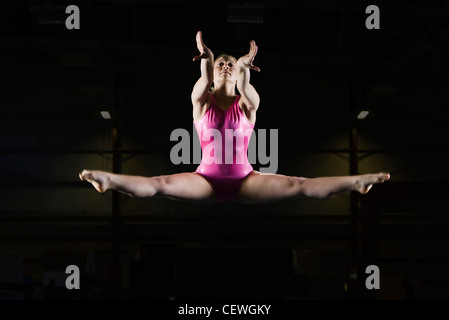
205, 52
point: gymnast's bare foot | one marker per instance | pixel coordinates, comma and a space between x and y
365, 182
99, 179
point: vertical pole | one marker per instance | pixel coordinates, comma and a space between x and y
356, 289
340, 35
115, 196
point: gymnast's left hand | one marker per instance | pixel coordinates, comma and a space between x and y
247, 60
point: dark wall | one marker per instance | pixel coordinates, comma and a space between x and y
320, 67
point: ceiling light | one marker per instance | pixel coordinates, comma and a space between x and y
362, 114
105, 114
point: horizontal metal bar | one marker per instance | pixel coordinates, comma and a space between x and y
417, 260
192, 220
53, 151
415, 150
185, 238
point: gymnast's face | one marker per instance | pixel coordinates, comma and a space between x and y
225, 68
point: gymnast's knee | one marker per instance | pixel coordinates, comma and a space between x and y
296, 185
162, 184
303, 187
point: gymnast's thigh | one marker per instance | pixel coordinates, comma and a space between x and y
188, 186
268, 187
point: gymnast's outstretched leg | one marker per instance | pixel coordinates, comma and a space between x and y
183, 186
266, 187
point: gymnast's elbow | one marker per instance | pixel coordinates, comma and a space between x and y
250, 99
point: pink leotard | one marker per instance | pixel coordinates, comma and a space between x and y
224, 165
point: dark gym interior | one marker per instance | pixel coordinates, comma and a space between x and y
320, 67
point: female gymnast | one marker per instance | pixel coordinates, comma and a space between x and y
217, 181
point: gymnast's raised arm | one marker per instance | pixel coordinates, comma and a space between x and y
250, 98
200, 94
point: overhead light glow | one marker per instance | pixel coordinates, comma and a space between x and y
105, 115
362, 114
